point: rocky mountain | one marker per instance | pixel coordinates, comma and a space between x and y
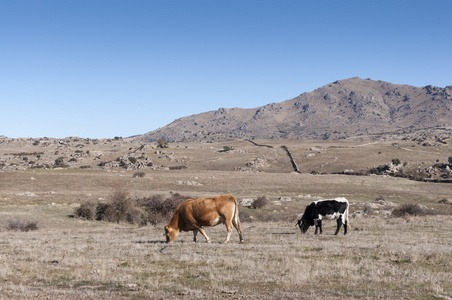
353, 108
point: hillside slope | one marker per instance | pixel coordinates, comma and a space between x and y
346, 109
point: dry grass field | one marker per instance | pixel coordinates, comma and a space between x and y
381, 257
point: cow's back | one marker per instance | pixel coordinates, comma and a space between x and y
205, 211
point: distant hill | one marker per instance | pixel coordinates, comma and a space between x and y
353, 108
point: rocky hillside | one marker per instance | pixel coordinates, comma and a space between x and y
354, 108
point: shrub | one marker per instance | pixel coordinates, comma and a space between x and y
226, 149
132, 159
120, 205
160, 209
161, 143
86, 211
396, 162
172, 168
21, 225
380, 170
135, 215
122, 208
450, 160
59, 163
139, 174
412, 209
260, 202
101, 209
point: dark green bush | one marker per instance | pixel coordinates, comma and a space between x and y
396, 162
59, 162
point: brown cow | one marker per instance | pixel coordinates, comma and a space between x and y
193, 214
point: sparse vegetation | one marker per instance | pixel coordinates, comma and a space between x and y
260, 202
159, 208
396, 161
412, 209
87, 211
122, 208
161, 143
59, 162
21, 225
226, 149
72, 258
139, 174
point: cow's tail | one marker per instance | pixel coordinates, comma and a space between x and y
236, 211
346, 214
236, 219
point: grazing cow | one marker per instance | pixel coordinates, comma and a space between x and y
337, 208
193, 214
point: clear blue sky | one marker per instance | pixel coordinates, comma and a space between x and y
106, 68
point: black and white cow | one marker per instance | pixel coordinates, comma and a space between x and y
337, 208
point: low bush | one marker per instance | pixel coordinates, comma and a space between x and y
86, 211
59, 163
122, 208
160, 209
412, 210
380, 170
21, 225
161, 143
396, 162
139, 174
260, 202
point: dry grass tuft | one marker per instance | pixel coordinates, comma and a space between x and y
413, 209
21, 225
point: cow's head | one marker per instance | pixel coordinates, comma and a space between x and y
304, 224
171, 234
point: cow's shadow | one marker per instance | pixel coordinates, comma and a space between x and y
149, 242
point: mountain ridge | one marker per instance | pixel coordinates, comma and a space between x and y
351, 108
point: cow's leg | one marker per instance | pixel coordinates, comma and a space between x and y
339, 224
344, 220
228, 224
204, 234
238, 227
195, 233
320, 226
316, 224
